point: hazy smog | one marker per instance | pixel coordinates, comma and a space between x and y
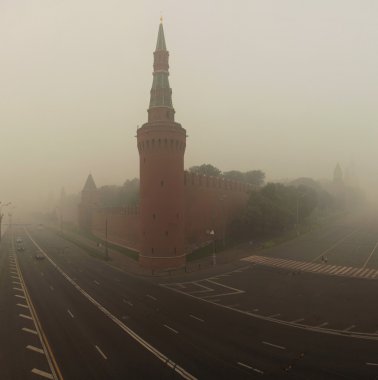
286, 87
188, 189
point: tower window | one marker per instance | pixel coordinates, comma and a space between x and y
152, 250
162, 183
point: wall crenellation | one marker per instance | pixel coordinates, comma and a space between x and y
199, 180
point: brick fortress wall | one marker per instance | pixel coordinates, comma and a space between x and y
211, 203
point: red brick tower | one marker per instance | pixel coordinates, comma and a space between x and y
161, 145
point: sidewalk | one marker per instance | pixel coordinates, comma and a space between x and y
116, 258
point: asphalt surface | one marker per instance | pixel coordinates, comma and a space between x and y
254, 321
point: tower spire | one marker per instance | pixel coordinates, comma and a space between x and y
161, 107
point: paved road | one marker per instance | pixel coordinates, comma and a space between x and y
254, 321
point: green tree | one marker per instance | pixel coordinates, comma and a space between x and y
234, 175
206, 169
255, 177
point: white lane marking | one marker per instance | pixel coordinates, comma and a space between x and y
274, 315
151, 297
338, 270
16, 282
371, 254
350, 328
19, 296
171, 364
36, 349
16, 277
46, 375
323, 324
274, 345
26, 316
69, 312
170, 328
29, 331
194, 317
18, 289
293, 324
249, 367
367, 363
96, 282
368, 274
22, 305
101, 353
128, 302
362, 274
335, 245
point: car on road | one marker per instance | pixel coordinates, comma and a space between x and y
18, 240
20, 248
39, 256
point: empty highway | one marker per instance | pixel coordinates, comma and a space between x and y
303, 310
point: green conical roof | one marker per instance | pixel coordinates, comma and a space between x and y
160, 45
90, 184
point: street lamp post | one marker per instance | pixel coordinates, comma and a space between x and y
212, 233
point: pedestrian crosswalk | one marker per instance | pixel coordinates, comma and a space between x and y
323, 268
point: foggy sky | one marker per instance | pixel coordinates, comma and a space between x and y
286, 86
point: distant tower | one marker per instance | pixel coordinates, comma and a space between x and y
89, 201
338, 175
161, 146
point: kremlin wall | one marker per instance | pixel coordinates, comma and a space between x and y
178, 211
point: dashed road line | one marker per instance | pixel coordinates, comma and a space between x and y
151, 297
23, 305
69, 312
26, 316
46, 375
29, 330
274, 345
322, 324
127, 302
19, 296
350, 328
373, 364
35, 349
96, 282
170, 328
194, 317
249, 367
159, 355
101, 353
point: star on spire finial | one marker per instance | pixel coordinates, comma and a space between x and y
161, 19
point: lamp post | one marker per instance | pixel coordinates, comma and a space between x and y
212, 233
